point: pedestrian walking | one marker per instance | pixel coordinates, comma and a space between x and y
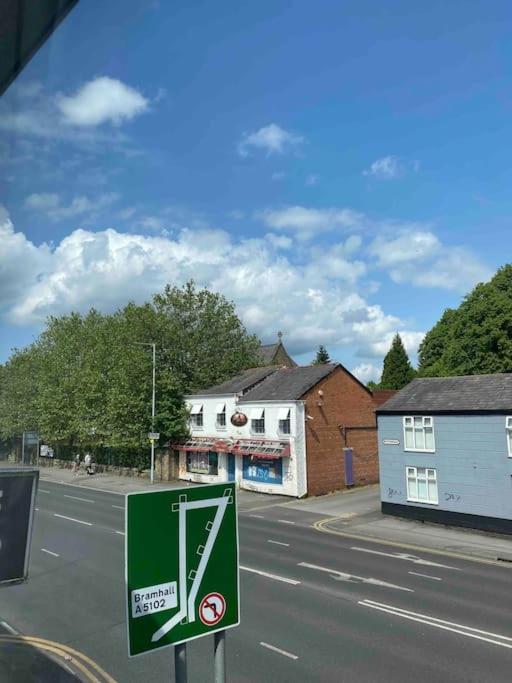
88, 464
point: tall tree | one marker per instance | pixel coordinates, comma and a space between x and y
475, 338
322, 357
202, 337
397, 370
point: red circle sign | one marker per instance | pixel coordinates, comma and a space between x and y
212, 608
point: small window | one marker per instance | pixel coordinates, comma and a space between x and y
508, 424
221, 416
422, 485
200, 462
419, 434
258, 420
196, 416
284, 421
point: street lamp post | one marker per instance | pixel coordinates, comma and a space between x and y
153, 407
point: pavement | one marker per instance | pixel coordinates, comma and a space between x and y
315, 606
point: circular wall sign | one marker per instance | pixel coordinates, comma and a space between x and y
238, 419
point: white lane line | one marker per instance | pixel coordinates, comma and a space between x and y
121, 533
468, 631
257, 516
72, 519
85, 500
426, 576
278, 649
36, 509
406, 557
341, 576
81, 486
49, 552
285, 521
43, 491
284, 579
9, 628
278, 543
119, 507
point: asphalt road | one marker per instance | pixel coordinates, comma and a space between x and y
315, 607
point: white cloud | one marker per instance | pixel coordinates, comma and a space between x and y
418, 257
312, 180
314, 301
279, 241
42, 202
384, 169
272, 139
306, 222
100, 101
50, 204
367, 372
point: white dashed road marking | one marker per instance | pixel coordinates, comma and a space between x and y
49, 552
284, 579
72, 519
84, 500
278, 543
278, 650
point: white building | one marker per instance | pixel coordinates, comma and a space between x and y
268, 453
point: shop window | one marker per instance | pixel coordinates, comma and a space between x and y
203, 462
262, 470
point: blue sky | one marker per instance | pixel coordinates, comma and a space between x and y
339, 169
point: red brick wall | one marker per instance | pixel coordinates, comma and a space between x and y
345, 402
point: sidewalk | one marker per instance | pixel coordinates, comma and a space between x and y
113, 483
105, 482
356, 514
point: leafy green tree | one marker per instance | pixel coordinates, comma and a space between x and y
475, 338
397, 370
322, 357
202, 337
371, 385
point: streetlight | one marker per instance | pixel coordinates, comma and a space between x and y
153, 346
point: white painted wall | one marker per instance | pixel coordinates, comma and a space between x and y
294, 467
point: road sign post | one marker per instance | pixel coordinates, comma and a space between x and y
181, 569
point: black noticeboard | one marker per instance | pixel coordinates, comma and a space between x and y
18, 489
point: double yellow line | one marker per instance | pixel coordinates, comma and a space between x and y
88, 667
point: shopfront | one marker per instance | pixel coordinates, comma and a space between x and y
262, 469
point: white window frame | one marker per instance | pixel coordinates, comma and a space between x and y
284, 415
429, 474
195, 414
257, 415
218, 424
427, 421
508, 432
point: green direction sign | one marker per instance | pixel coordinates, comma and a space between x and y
181, 565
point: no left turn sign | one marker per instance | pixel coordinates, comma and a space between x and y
212, 609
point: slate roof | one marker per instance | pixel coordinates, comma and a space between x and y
239, 383
470, 393
288, 384
267, 352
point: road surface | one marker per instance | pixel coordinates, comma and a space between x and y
315, 607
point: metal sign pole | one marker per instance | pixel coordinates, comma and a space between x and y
153, 401
219, 655
180, 663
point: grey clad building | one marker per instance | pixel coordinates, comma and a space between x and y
445, 451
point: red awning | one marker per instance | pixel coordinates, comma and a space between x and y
255, 448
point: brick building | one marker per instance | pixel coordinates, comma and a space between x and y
308, 430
